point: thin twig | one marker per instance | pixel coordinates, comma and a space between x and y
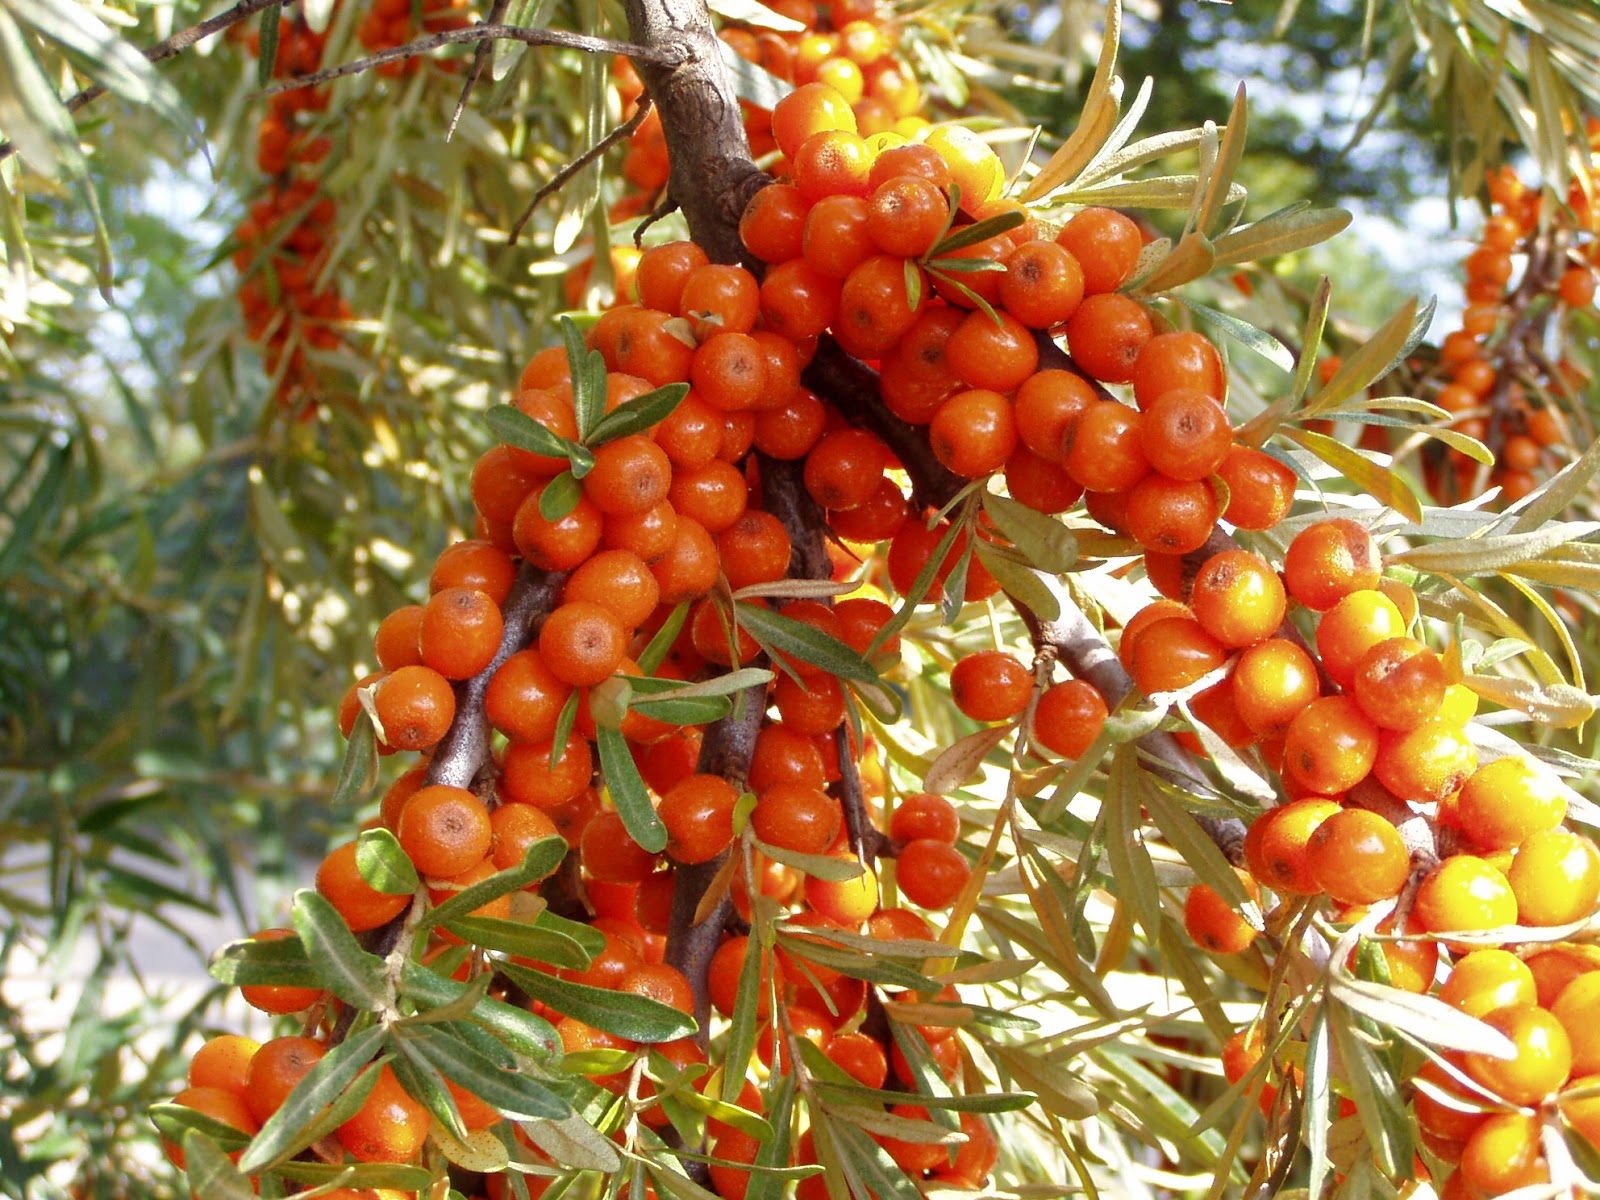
480, 60
625, 130
666, 56
174, 45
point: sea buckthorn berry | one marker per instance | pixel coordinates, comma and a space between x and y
652, 346
561, 544
925, 815
1425, 764
618, 580
1503, 1154
1237, 598
784, 756
1330, 746
1582, 1112
974, 432
1555, 877
959, 287
415, 705
390, 1127
524, 698
729, 373
395, 642
1542, 1061
845, 468
833, 163
1068, 718
914, 158
474, 563
717, 638
754, 549
877, 520
796, 817
1486, 980
1399, 683
837, 239
444, 830
1046, 407
810, 109
698, 814
847, 901
1276, 847
276, 1068
1171, 516
1464, 894
1358, 857
720, 298
1178, 360
798, 301
582, 643
1213, 923
1104, 448
931, 873
528, 776
460, 632
609, 852
514, 828
1106, 244
1260, 488
990, 685
1329, 560
1042, 485
997, 353
1351, 628
663, 270
789, 431
219, 1104
812, 706
1578, 1009
1507, 801
1186, 434
875, 308
277, 999
906, 215
1173, 653
223, 1062
772, 226
501, 480
974, 167
715, 496
630, 475
1106, 334
860, 1056
1273, 681
1042, 285
361, 905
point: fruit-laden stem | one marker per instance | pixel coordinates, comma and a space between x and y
712, 173
464, 750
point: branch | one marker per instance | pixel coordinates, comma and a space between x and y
666, 56
625, 130
465, 749
480, 60
163, 50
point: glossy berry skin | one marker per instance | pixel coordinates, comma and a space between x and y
1213, 923
1399, 683
1238, 598
1330, 746
1352, 627
1277, 846
1487, 979
1329, 560
1555, 877
990, 685
1508, 800
1068, 718
1272, 682
931, 873
1543, 1055
1464, 894
1358, 857
1427, 763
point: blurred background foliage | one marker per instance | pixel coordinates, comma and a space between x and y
190, 571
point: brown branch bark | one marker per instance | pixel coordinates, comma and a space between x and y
168, 48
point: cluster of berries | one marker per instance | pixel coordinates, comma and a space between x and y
280, 246
1535, 262
391, 23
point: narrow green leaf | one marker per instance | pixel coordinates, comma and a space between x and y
1383, 1116
1370, 361
765, 1182
810, 645
329, 1080
514, 427
282, 962
1318, 1116
423, 1082
1381, 483
818, 866
1125, 848
383, 864
871, 1162
543, 857
521, 939
753, 83
1285, 232
679, 710
588, 383
1466, 557
560, 496
1424, 1019
882, 971
1013, 573
978, 231
348, 971
976, 1102
514, 1093
1258, 341
637, 415
357, 1175
628, 791
518, 1028
589, 939
656, 652
358, 770
1060, 1088
175, 1122
1044, 541
267, 52
635, 1017
211, 1173
741, 1042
